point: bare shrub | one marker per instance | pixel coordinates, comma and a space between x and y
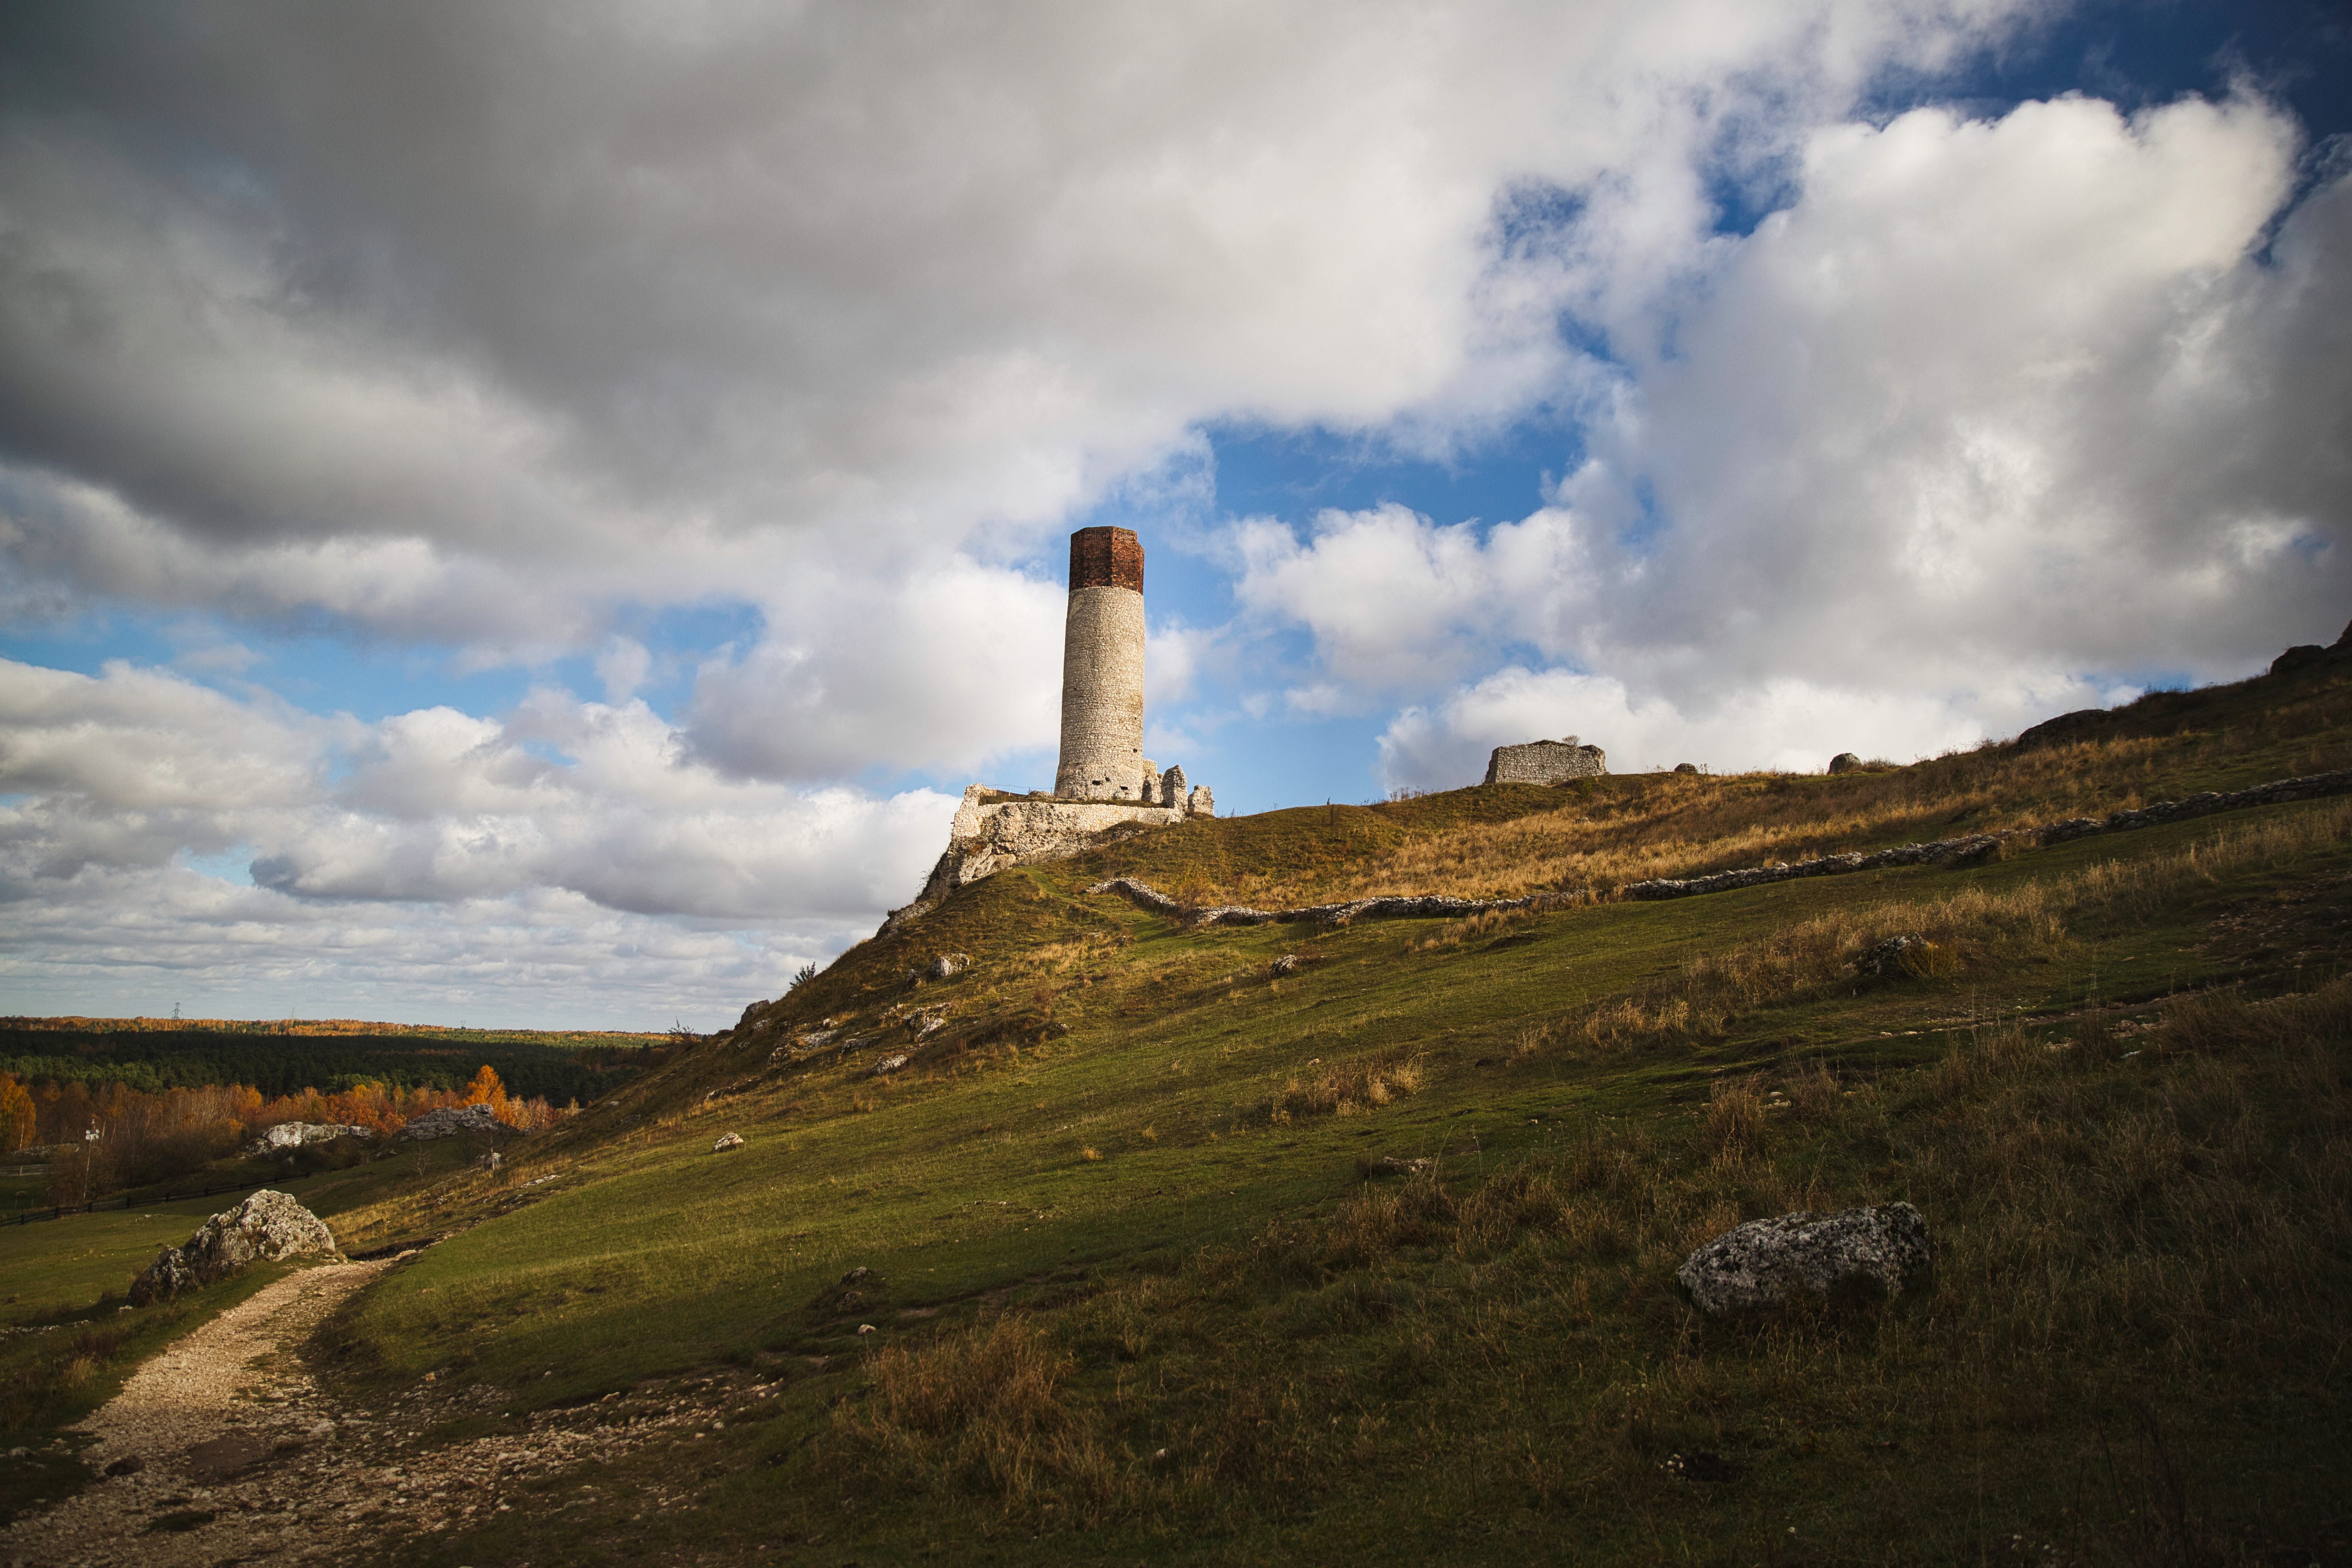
1520, 1198
1813, 1090
1732, 1131
1376, 1221
984, 1410
1347, 1089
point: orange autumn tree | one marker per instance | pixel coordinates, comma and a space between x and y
487, 1089
16, 1115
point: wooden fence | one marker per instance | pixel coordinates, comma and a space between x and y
131, 1201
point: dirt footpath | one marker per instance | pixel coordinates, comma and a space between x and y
226, 1451
201, 1451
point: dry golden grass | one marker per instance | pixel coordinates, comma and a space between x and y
1349, 1088
1970, 929
1679, 825
984, 1412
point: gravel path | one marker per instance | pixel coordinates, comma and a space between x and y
209, 1439
231, 1453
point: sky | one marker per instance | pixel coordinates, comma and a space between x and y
530, 513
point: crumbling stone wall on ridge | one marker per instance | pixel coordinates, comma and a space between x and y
993, 830
1546, 762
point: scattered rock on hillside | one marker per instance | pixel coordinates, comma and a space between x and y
1845, 762
949, 964
1887, 955
732, 1141
1286, 964
1766, 1262
265, 1228
452, 1119
288, 1135
1692, 767
889, 1064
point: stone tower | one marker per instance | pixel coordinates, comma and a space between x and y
1102, 669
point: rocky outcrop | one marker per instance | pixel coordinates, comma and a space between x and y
1546, 762
267, 1228
993, 831
288, 1136
1845, 762
453, 1120
947, 966
2171, 712
1767, 1263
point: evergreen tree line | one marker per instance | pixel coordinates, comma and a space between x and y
157, 1060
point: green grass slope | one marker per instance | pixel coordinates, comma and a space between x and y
1168, 1255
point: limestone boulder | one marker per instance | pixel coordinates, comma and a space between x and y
288, 1136
1890, 956
267, 1228
1767, 1263
450, 1121
1845, 762
948, 965
730, 1140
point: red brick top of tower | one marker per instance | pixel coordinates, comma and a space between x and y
1106, 558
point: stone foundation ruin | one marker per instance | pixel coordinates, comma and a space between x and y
1546, 762
1103, 782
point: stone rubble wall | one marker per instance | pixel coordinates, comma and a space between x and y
1546, 762
1977, 846
1432, 905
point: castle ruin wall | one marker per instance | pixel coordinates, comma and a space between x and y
1546, 762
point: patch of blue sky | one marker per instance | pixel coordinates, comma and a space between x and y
1292, 475
323, 671
2139, 53
679, 639
234, 863
329, 669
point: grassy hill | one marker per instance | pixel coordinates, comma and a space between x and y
1153, 1252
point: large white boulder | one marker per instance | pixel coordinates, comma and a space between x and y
288, 1135
267, 1228
453, 1120
1767, 1261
